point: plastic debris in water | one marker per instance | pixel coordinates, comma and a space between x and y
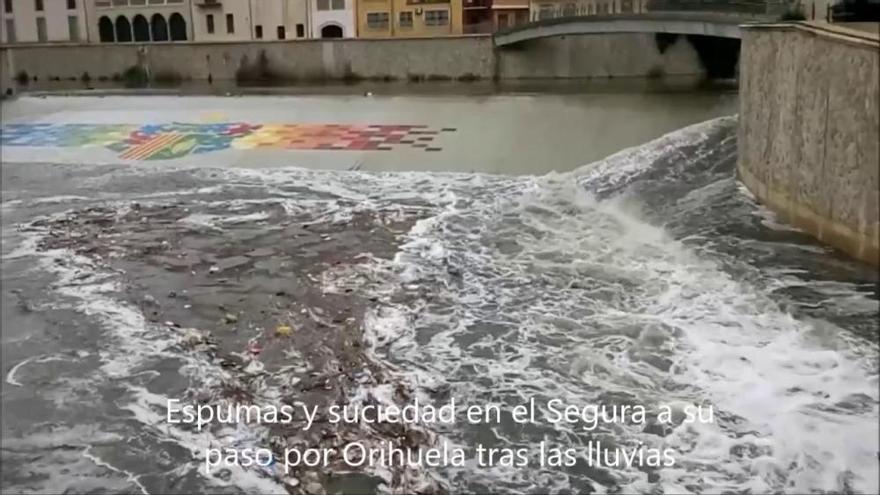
254, 347
230, 318
283, 331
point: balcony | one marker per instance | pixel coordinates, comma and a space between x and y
208, 4
476, 4
107, 4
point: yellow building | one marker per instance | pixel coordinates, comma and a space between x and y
408, 18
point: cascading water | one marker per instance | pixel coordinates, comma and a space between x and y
648, 278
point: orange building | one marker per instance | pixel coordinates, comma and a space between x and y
409, 18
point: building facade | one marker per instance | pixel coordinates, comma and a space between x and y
409, 18
243, 20
332, 18
44, 21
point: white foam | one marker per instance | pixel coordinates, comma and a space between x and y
513, 287
728, 342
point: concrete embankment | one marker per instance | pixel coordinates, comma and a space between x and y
809, 127
452, 58
313, 60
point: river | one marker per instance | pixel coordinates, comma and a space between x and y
590, 245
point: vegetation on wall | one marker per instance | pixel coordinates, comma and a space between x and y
135, 77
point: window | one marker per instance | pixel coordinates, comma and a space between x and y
230, 23
71, 4
331, 4
10, 30
300, 30
41, 29
177, 27
406, 19
38, 6
209, 23
377, 20
258, 31
436, 17
73, 27
7, 6
281, 33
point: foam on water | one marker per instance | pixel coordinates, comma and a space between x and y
627, 281
548, 291
129, 344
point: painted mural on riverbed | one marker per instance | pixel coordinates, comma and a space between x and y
178, 140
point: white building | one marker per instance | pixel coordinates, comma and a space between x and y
44, 21
332, 18
140, 21
239, 20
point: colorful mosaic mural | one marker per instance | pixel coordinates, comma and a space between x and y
177, 140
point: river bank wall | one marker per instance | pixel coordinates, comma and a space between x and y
808, 130
450, 58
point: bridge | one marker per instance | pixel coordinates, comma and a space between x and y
721, 25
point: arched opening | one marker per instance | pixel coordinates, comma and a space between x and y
141, 28
159, 28
331, 31
105, 30
177, 26
123, 29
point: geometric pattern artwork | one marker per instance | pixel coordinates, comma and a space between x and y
177, 140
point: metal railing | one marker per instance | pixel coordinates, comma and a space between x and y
576, 8
753, 7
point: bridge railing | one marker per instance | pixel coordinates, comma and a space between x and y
753, 7
577, 8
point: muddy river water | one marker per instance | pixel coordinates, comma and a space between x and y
588, 247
